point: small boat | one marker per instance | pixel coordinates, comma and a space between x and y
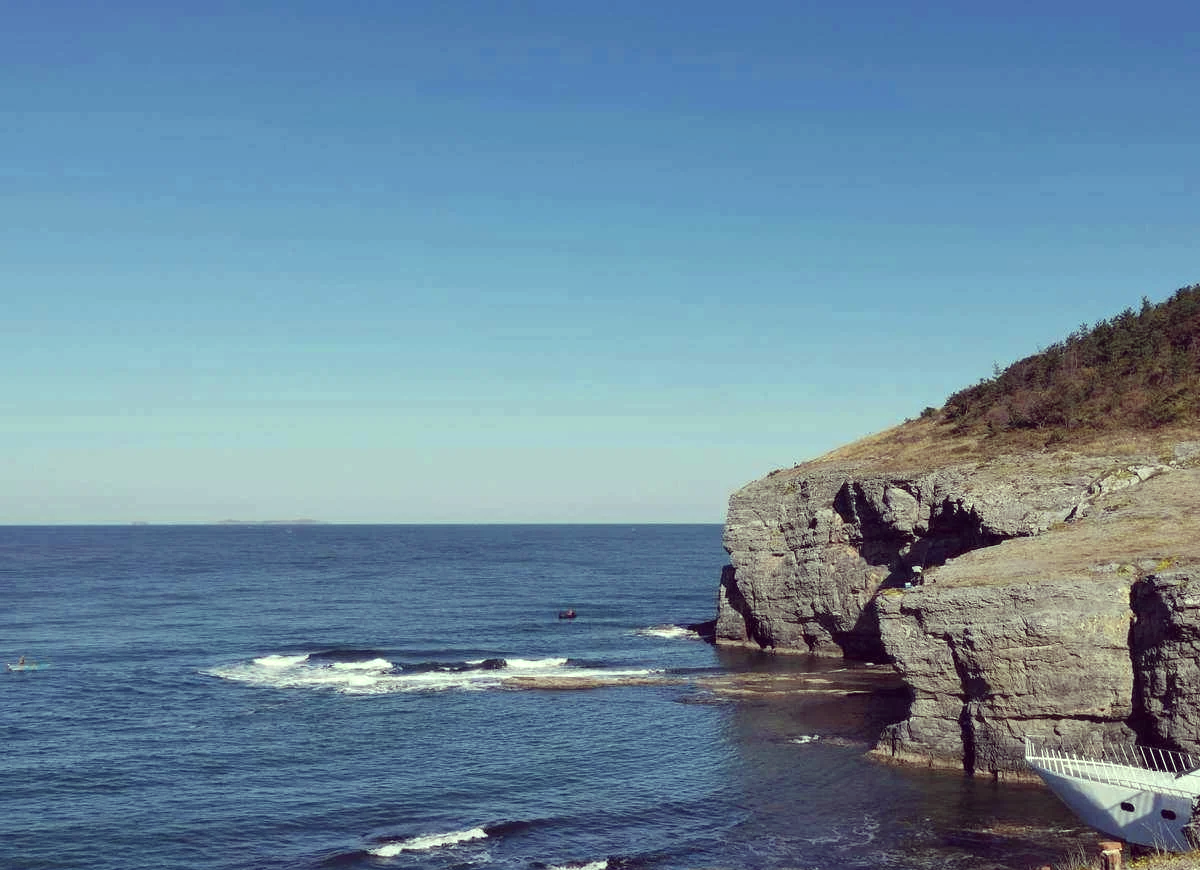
1135, 793
566, 614
21, 666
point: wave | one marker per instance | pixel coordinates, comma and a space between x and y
503, 829
379, 675
602, 864
348, 654
670, 632
393, 846
428, 842
537, 664
370, 665
277, 661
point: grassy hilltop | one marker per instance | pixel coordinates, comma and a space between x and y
1129, 385
1135, 371
1123, 392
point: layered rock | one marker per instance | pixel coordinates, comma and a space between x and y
1025, 623
1165, 647
988, 665
810, 548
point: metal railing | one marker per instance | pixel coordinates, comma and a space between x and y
1129, 766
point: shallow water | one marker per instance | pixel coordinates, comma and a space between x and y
406, 697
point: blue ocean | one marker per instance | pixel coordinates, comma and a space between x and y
241, 697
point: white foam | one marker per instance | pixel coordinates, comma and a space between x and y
534, 664
372, 665
805, 738
602, 864
427, 842
276, 661
670, 632
379, 676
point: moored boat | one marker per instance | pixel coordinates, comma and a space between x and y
1136, 793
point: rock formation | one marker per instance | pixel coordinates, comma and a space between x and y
989, 664
1165, 645
1023, 622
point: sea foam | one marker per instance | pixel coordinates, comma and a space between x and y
670, 632
372, 665
381, 676
536, 664
427, 842
278, 661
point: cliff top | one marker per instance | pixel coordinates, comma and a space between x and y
1120, 394
1126, 387
1147, 529
924, 444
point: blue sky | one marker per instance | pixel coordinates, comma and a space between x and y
542, 262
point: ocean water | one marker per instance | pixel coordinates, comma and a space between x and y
406, 697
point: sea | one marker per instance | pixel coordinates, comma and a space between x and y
243, 697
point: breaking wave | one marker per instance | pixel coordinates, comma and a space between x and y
390, 847
274, 661
427, 842
670, 632
374, 673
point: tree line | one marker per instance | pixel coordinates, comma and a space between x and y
1137, 370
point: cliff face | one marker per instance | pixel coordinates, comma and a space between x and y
1025, 623
1165, 645
989, 665
810, 549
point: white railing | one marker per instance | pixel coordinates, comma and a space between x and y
1135, 767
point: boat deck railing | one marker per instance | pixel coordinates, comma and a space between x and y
1135, 767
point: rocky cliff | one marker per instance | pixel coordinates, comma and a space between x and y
1036, 614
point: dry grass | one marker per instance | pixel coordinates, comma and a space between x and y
1083, 859
1187, 861
1154, 524
920, 445
1149, 528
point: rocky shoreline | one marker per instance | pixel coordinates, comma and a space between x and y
1045, 593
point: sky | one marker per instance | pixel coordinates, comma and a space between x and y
550, 261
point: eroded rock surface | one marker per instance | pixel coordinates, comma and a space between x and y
1165, 645
810, 548
1025, 623
988, 665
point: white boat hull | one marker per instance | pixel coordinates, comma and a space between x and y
1150, 807
1100, 806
